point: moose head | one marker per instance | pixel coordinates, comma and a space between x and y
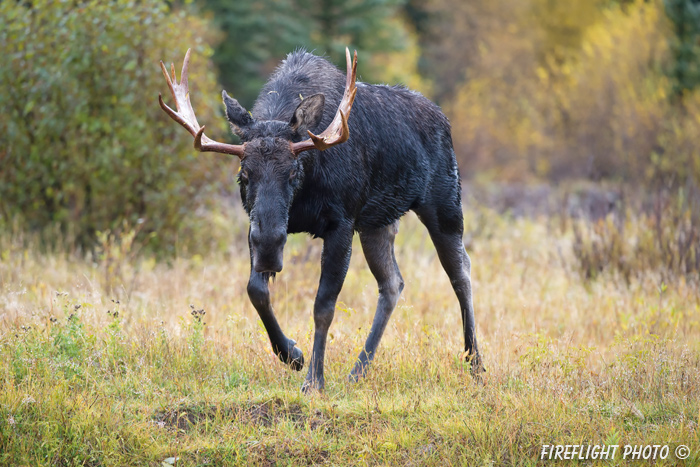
270, 168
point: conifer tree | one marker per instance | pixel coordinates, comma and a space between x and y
257, 34
685, 45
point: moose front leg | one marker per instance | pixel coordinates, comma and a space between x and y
259, 294
337, 249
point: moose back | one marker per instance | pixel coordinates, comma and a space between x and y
384, 150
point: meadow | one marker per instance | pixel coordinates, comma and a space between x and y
117, 359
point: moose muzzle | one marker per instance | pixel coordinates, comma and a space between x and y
268, 249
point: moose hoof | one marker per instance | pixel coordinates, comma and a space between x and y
477, 369
295, 359
357, 373
310, 386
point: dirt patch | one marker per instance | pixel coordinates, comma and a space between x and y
270, 412
286, 453
266, 413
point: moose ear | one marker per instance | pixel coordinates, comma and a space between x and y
308, 114
236, 114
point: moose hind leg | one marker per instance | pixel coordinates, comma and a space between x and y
378, 247
445, 226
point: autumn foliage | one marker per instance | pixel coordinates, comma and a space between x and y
536, 91
580, 90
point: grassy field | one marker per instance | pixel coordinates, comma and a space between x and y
112, 362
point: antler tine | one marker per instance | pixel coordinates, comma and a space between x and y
198, 138
167, 78
175, 116
172, 70
342, 134
185, 69
350, 79
338, 131
185, 115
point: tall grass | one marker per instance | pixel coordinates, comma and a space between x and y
662, 239
147, 363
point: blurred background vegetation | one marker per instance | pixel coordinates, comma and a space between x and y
539, 93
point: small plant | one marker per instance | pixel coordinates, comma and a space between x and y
27, 352
574, 360
538, 355
70, 343
114, 338
195, 339
544, 353
117, 250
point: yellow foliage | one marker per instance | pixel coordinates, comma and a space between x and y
678, 154
561, 25
572, 90
612, 102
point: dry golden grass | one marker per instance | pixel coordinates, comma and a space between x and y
569, 362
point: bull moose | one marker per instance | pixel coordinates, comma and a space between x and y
360, 174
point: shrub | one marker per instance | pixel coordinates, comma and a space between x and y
662, 239
83, 143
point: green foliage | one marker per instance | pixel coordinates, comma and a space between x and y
70, 343
449, 35
257, 35
543, 354
83, 142
114, 339
195, 336
685, 44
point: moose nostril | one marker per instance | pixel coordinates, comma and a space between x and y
268, 240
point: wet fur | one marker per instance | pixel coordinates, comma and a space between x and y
399, 157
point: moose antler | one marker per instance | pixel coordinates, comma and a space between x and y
337, 132
185, 114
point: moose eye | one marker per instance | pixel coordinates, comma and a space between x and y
243, 176
292, 174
